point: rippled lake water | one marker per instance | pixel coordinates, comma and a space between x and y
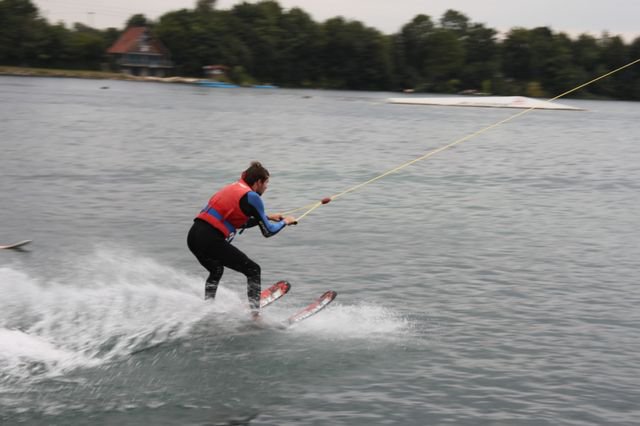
495, 283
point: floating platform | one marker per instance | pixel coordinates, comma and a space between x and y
486, 102
217, 84
225, 85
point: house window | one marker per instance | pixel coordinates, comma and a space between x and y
144, 42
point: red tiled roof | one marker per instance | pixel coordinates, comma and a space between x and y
130, 40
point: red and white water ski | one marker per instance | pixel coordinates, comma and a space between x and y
273, 293
17, 245
319, 304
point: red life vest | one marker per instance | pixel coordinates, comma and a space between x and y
223, 209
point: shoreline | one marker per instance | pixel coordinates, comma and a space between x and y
90, 75
13, 71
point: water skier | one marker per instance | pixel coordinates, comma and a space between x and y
235, 206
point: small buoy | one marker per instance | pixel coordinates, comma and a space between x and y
326, 200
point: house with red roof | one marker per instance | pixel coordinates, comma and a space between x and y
136, 52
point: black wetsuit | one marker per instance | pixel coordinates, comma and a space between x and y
214, 252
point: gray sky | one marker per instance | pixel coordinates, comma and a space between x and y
618, 17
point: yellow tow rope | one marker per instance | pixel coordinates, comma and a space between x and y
313, 206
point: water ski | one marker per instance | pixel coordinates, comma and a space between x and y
17, 245
316, 306
281, 288
273, 293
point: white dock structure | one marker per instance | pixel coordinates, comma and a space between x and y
485, 101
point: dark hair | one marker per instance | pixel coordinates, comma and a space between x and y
254, 173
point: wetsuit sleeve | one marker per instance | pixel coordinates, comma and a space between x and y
252, 205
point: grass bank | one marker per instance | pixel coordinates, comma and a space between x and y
48, 72
96, 75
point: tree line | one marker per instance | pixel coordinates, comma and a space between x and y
262, 42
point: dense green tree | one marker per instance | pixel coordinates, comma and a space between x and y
481, 58
562, 73
445, 58
634, 53
413, 47
56, 48
205, 6
111, 35
18, 37
614, 54
517, 57
301, 52
258, 27
176, 30
137, 20
262, 42
87, 47
586, 52
454, 21
354, 56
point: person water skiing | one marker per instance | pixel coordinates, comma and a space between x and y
238, 205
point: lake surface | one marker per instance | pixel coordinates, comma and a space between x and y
495, 283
